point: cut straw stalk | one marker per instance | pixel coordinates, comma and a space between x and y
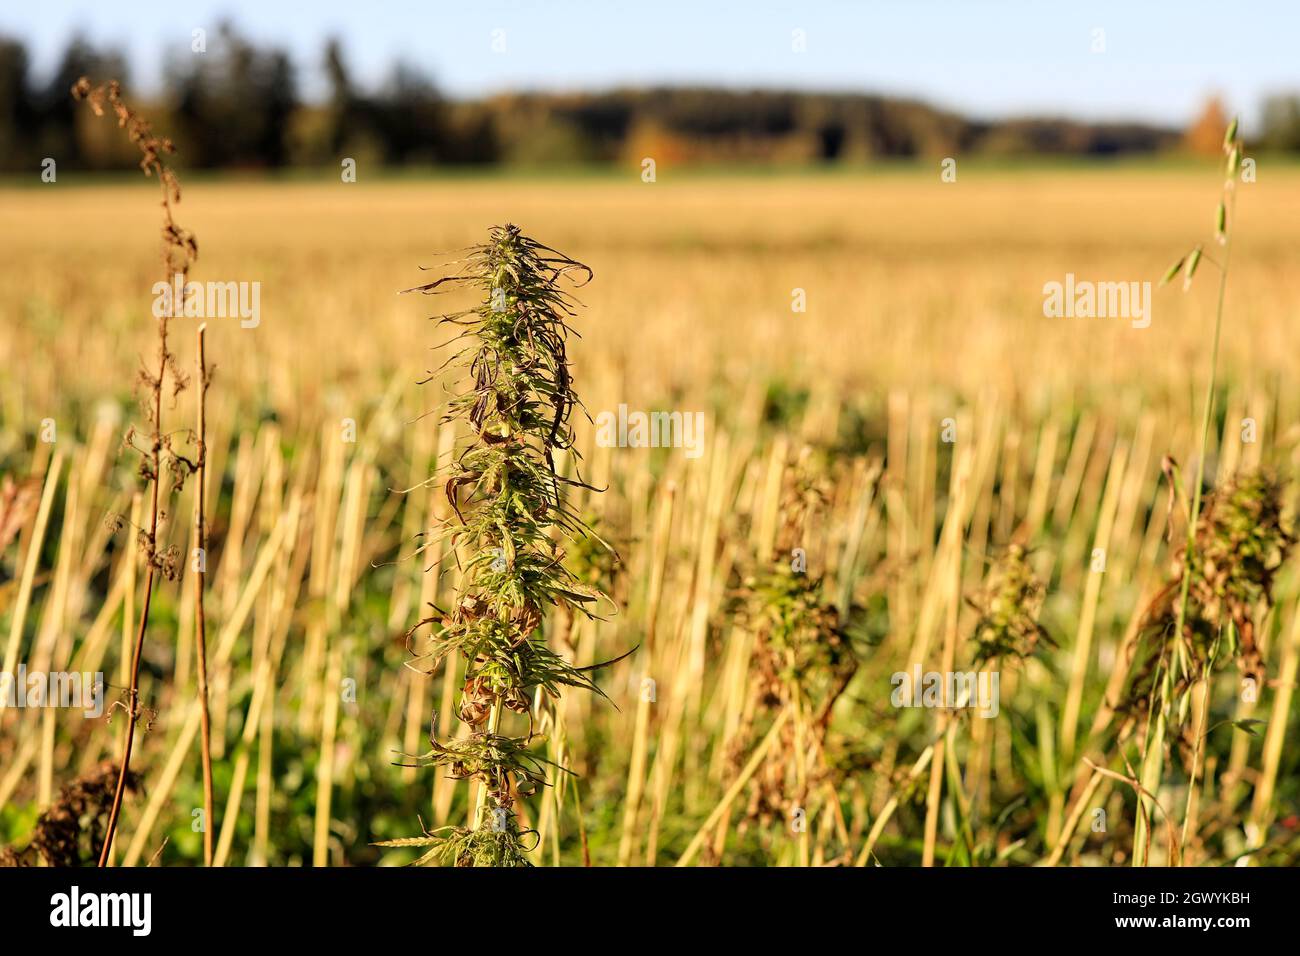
748, 771
133, 693
944, 593
230, 631
636, 773
33, 559
200, 577
1262, 809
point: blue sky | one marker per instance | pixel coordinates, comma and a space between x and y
985, 58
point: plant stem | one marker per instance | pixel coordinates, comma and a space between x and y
494, 723
1153, 760
179, 251
133, 694
200, 619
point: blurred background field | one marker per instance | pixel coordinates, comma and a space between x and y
840, 259
924, 303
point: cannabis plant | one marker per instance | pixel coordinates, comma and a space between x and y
1009, 603
70, 831
514, 408
1240, 543
804, 655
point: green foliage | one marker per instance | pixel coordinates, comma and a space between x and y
461, 846
800, 628
1009, 605
1240, 544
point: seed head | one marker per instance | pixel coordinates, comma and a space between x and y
1189, 271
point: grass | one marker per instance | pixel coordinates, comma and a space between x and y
924, 304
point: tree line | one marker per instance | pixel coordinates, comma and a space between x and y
238, 104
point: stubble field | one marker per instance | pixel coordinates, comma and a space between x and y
909, 434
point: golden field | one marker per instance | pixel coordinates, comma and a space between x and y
924, 321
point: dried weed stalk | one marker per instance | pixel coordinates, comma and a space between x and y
179, 250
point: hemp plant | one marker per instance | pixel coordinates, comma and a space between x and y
510, 516
1241, 541
805, 657
1008, 605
